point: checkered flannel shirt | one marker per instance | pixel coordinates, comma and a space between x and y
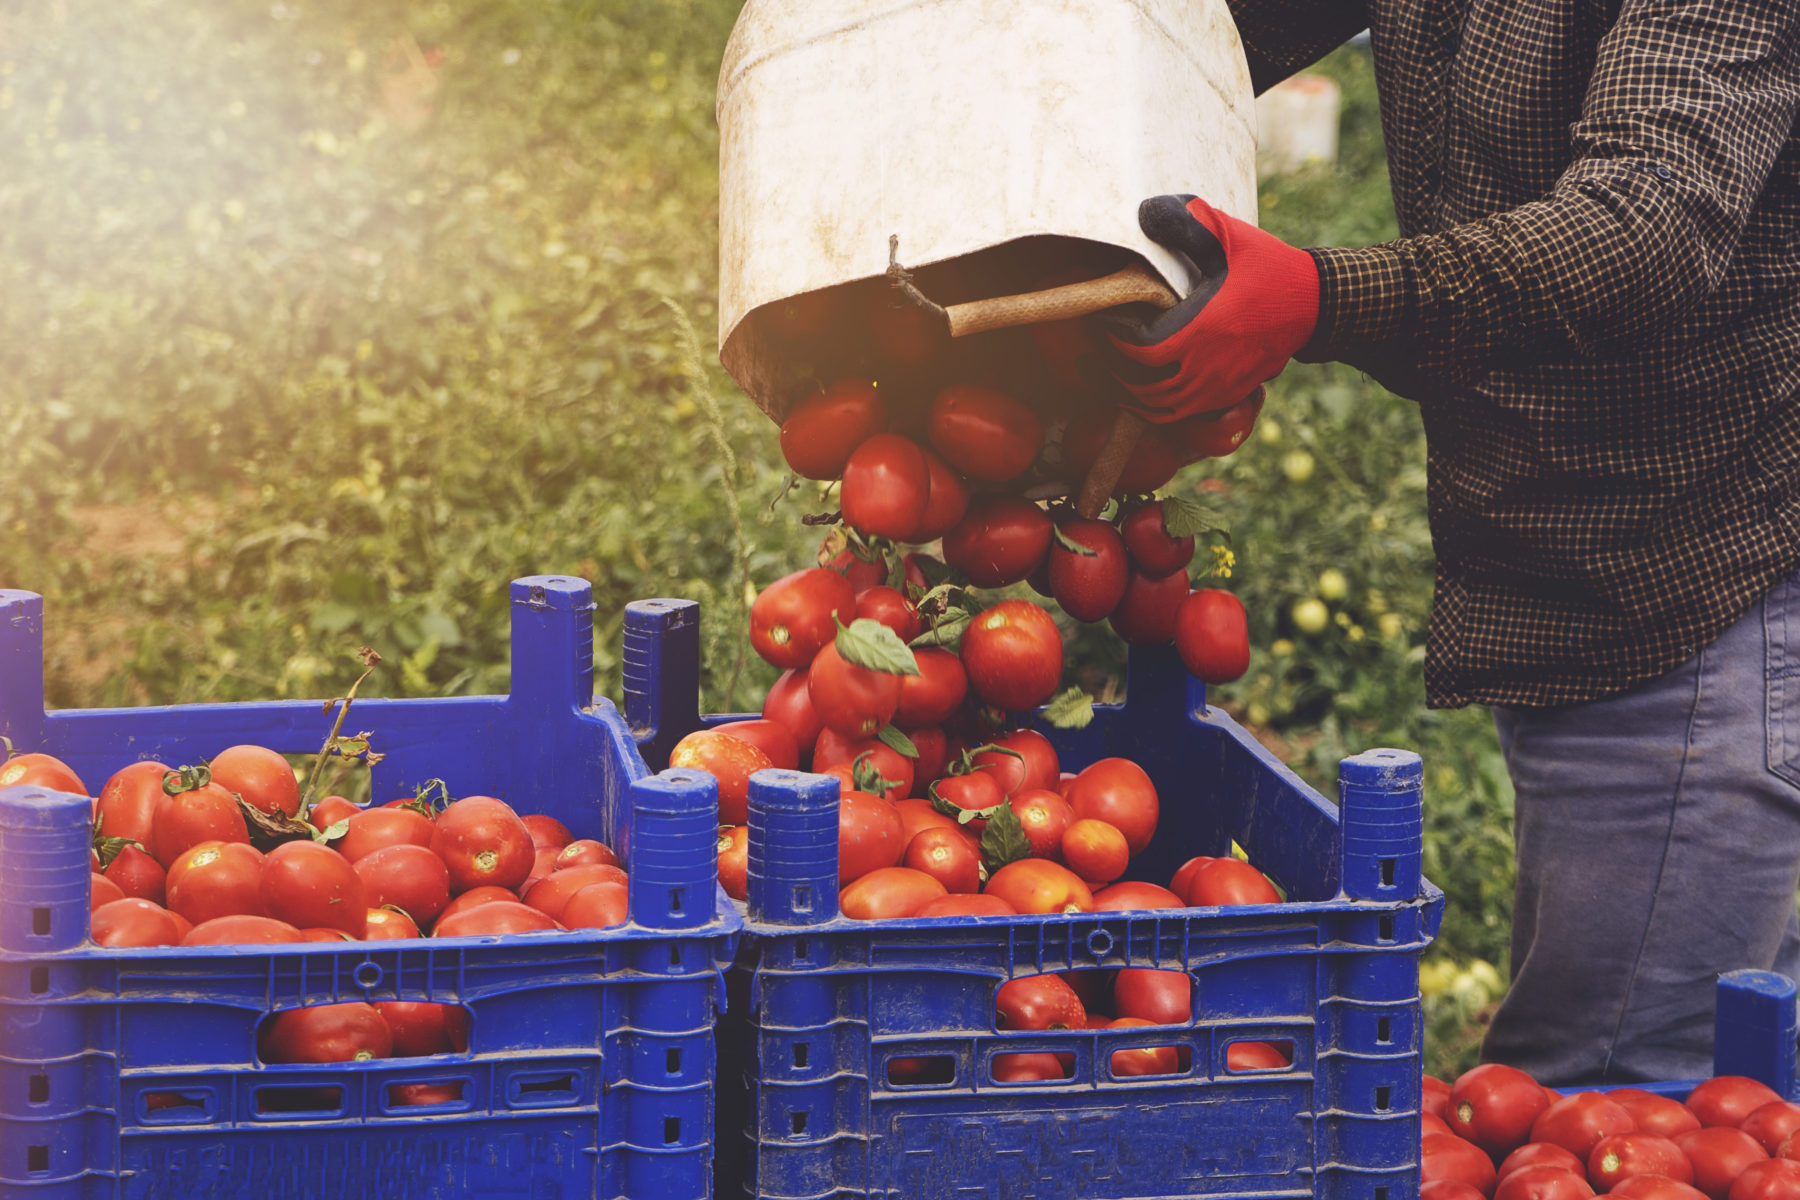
1596, 304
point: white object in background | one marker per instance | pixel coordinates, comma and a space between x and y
1297, 124
959, 125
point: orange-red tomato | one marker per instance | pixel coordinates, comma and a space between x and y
551, 894
889, 893
40, 770
1096, 851
1033, 885
598, 906
484, 843
734, 861
260, 775
314, 887
947, 856
218, 879
1230, 881
1142, 1060
1119, 792
132, 922
729, 760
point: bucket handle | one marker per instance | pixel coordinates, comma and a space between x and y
1134, 284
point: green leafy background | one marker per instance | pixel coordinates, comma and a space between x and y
326, 318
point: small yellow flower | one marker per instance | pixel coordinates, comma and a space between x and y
1281, 647
1223, 560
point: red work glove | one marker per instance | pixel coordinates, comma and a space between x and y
1256, 304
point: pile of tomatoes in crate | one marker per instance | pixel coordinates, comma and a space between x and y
904, 674
227, 853
1497, 1134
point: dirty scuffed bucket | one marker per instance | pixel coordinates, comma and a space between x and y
984, 132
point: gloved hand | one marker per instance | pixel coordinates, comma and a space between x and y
1256, 304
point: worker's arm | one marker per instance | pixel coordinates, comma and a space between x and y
1284, 36
1689, 104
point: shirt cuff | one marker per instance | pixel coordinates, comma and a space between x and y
1362, 303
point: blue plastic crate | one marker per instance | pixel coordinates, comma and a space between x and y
592, 1054
829, 1002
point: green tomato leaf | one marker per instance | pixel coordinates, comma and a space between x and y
108, 847
871, 645
1071, 545
1183, 518
947, 632
866, 777
1070, 709
897, 741
333, 831
1004, 839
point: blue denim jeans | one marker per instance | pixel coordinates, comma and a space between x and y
1658, 842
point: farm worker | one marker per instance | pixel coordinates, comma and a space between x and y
1596, 305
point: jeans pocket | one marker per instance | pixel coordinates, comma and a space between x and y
1781, 641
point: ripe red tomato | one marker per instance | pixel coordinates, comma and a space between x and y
851, 700
773, 738
1045, 816
1038, 1002
1653, 1113
947, 856
326, 1033
1152, 462
314, 887
203, 812
1212, 635
41, 770
1145, 614
1142, 1060
937, 691
1014, 655
1135, 895
474, 898
916, 814
1534, 1154
1208, 435
551, 894
218, 879
1446, 1156
864, 569
1160, 997
1095, 850
934, 753
585, 852
484, 843
961, 905
1001, 540
1022, 760
885, 488
833, 751
408, 877
1183, 879
387, 924
127, 806
789, 703
1773, 1179
1119, 792
1771, 1124
375, 828
1728, 1099
262, 777
728, 759
1580, 1121
1257, 1056
977, 791
1089, 583
1229, 881
984, 433
1449, 1189
330, 811
1543, 1183
1032, 1067
1493, 1105
889, 893
734, 861
132, 922
547, 833
1653, 1187
1154, 553
137, 874
241, 931
1034, 885
946, 500
1623, 1155
495, 917
598, 906
420, 1027
1719, 1154
890, 608
870, 836
798, 613
821, 430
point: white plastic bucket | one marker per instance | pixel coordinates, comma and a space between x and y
956, 126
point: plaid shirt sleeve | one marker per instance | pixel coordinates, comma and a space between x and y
1688, 105
1284, 36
